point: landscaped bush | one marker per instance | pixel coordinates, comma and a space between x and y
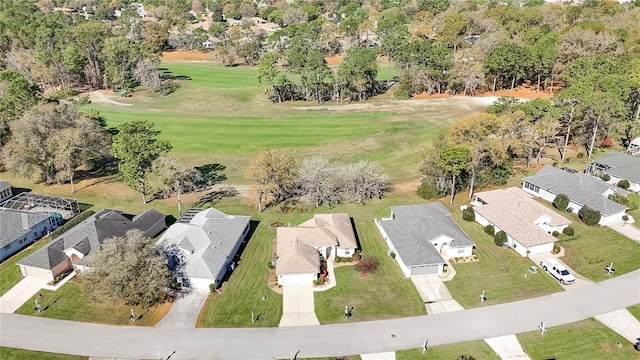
556, 249
624, 184
623, 200
561, 202
393, 255
489, 230
212, 287
357, 257
608, 142
500, 238
338, 259
606, 177
367, 265
555, 234
349, 259
468, 214
321, 281
402, 93
568, 231
315, 281
270, 265
625, 217
589, 216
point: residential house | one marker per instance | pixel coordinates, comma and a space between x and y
202, 245
256, 20
619, 166
300, 250
422, 237
18, 229
269, 27
582, 189
634, 147
5, 190
211, 43
528, 224
70, 250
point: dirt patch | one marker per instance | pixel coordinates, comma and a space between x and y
334, 60
522, 92
180, 55
405, 105
99, 97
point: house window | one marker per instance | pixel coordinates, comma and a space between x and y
347, 251
460, 251
532, 187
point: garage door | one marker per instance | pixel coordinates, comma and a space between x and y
297, 279
424, 270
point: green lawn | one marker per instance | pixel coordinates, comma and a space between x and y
635, 213
587, 339
70, 302
391, 296
382, 294
212, 75
500, 272
478, 349
19, 354
635, 311
596, 247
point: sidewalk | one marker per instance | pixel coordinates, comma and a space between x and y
622, 322
507, 347
13, 299
185, 310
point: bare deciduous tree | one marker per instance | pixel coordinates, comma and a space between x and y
147, 74
363, 180
316, 177
177, 179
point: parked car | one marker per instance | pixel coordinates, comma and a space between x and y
558, 271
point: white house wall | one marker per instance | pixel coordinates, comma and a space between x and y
606, 220
200, 283
297, 279
345, 252
405, 270
635, 187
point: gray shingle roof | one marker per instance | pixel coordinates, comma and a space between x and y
580, 188
5, 185
87, 237
621, 165
12, 226
207, 241
414, 226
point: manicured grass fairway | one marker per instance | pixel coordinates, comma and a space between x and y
19, 354
478, 349
587, 339
70, 302
207, 133
212, 76
500, 272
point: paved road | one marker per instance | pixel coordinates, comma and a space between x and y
315, 341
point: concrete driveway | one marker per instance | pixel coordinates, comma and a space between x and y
437, 299
298, 306
507, 347
580, 280
185, 310
622, 322
20, 293
627, 229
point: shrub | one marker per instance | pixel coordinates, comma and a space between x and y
589, 216
212, 287
429, 191
357, 257
500, 238
402, 93
349, 259
625, 217
624, 184
393, 255
561, 202
608, 142
606, 177
468, 214
367, 265
568, 231
580, 155
338, 259
321, 281
556, 248
315, 281
623, 200
555, 234
71, 223
270, 265
489, 230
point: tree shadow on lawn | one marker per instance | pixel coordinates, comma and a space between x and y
49, 305
253, 225
167, 74
215, 196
